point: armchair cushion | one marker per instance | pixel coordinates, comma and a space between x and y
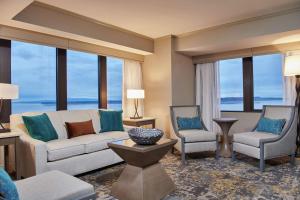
270, 125
196, 135
252, 138
186, 123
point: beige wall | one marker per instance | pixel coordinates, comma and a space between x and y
168, 80
183, 78
247, 120
157, 83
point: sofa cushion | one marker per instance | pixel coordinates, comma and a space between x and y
54, 185
93, 142
63, 148
8, 189
252, 138
111, 120
76, 129
116, 135
196, 135
40, 127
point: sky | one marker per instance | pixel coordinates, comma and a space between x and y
267, 74
34, 70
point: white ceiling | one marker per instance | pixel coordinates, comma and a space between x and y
157, 18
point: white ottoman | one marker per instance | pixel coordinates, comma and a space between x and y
54, 185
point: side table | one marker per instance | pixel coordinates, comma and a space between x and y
140, 122
225, 125
143, 177
8, 139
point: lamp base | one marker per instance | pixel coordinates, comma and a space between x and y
136, 117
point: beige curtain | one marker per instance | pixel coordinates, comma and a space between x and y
289, 84
132, 79
208, 93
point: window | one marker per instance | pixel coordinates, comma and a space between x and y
114, 83
33, 69
231, 84
82, 80
268, 83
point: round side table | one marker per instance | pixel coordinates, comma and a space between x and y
225, 125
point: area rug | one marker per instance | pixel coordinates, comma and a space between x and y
204, 177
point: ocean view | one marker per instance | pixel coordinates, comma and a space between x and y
236, 103
50, 105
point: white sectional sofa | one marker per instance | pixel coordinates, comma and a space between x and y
72, 156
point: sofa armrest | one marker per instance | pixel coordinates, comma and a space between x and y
33, 156
127, 128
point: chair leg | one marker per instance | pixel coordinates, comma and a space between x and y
233, 156
262, 165
172, 150
183, 160
293, 158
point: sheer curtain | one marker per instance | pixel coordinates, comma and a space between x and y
289, 84
208, 93
132, 79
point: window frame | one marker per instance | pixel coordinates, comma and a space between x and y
61, 78
248, 86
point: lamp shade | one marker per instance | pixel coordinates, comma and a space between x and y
135, 94
9, 91
292, 65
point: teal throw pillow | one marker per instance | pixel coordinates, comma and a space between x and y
111, 120
274, 126
40, 127
8, 189
186, 123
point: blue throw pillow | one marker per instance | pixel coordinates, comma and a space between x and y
186, 123
274, 126
40, 127
8, 189
111, 120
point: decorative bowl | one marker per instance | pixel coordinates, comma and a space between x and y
144, 136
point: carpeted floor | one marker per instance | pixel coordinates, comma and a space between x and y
207, 178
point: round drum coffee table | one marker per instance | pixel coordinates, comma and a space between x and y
225, 125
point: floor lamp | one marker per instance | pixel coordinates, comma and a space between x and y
292, 68
7, 91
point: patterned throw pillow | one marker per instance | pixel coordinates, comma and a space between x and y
186, 123
274, 126
8, 189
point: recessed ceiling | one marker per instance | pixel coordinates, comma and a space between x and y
157, 18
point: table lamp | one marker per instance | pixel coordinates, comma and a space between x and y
292, 68
7, 91
136, 94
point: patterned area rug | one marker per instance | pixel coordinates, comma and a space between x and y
207, 178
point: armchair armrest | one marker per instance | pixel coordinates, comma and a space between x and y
33, 156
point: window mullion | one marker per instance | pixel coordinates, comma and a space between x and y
248, 84
5, 75
102, 82
61, 79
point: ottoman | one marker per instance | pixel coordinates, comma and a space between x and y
54, 185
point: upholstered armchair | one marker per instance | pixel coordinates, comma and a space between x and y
192, 140
263, 145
